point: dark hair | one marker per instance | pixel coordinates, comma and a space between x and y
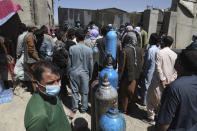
140, 24
105, 30
39, 36
188, 60
154, 39
39, 33
41, 66
59, 34
91, 23
168, 40
122, 26
44, 29
71, 33
22, 28
30, 29
86, 31
127, 24
80, 34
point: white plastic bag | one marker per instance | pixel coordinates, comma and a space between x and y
21, 70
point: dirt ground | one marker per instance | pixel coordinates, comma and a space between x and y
12, 115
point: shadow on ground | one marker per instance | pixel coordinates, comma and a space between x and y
136, 112
67, 101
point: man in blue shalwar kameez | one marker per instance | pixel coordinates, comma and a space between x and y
80, 68
149, 65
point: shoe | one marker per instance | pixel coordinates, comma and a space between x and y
82, 111
152, 122
141, 103
149, 121
74, 110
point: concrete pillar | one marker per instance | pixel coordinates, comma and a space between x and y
116, 21
186, 22
174, 5
169, 25
125, 18
41, 12
183, 28
87, 17
150, 20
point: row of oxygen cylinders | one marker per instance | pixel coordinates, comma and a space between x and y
104, 96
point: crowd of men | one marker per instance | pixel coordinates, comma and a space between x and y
150, 74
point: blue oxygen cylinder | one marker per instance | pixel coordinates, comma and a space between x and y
112, 121
106, 97
111, 43
112, 75
95, 54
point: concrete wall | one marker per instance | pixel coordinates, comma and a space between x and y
159, 29
26, 15
146, 19
170, 24
184, 28
150, 21
135, 18
36, 12
101, 17
182, 24
50, 12
88, 17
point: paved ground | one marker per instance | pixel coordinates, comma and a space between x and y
12, 115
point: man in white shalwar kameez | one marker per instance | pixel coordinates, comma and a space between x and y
164, 74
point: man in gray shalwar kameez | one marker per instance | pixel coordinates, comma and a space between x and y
80, 68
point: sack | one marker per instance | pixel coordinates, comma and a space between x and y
21, 70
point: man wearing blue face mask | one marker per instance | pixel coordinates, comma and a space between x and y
44, 112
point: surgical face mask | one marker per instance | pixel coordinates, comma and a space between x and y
51, 90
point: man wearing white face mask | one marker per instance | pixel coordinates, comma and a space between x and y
44, 112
